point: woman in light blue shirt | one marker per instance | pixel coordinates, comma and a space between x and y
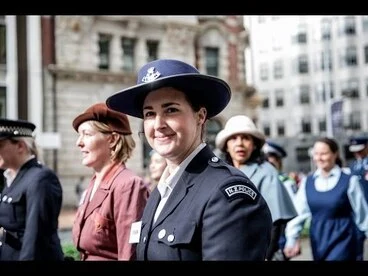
335, 203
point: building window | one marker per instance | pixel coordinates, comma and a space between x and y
326, 29
304, 94
266, 129
264, 71
266, 100
322, 125
322, 92
350, 88
349, 25
104, 51
279, 94
306, 126
301, 36
152, 50
348, 57
302, 154
365, 23
366, 54
280, 128
2, 42
128, 48
354, 121
303, 64
326, 60
212, 61
278, 69
3, 102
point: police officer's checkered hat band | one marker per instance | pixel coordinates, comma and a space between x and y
16, 128
17, 131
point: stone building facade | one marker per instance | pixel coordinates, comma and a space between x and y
85, 59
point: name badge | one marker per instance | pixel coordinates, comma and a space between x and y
135, 232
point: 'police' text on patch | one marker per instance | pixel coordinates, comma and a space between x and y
240, 189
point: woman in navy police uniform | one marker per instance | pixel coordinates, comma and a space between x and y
202, 209
30, 201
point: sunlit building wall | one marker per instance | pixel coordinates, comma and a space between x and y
301, 65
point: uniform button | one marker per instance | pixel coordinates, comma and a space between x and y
10, 199
1, 243
214, 159
161, 234
4, 197
144, 239
170, 238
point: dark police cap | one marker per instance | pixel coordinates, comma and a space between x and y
358, 143
272, 147
15, 128
117, 121
209, 91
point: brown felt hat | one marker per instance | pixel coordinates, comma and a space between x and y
117, 121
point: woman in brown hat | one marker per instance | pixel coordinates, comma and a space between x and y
242, 143
116, 196
202, 208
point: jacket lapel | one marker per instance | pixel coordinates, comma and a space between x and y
151, 206
102, 191
185, 182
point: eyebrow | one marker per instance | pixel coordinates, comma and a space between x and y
163, 105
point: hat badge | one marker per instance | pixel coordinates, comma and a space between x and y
152, 74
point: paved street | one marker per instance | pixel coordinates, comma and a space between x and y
67, 218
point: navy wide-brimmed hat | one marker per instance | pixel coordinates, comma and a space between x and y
209, 91
15, 128
358, 143
273, 148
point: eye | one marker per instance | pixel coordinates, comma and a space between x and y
148, 114
171, 110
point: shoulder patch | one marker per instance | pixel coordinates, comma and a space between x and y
233, 191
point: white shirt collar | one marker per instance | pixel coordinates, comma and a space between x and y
168, 181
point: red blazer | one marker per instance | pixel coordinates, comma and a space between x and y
101, 228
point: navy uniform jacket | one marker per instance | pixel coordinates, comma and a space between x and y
29, 211
213, 213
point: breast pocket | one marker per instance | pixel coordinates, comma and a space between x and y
177, 234
15, 207
179, 241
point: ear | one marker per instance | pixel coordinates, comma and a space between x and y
114, 138
202, 115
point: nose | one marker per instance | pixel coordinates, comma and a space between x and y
159, 122
79, 141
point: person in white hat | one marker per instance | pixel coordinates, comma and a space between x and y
241, 142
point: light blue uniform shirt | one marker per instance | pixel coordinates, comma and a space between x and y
322, 184
266, 178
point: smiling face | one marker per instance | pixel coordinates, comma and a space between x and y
171, 126
94, 145
323, 156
